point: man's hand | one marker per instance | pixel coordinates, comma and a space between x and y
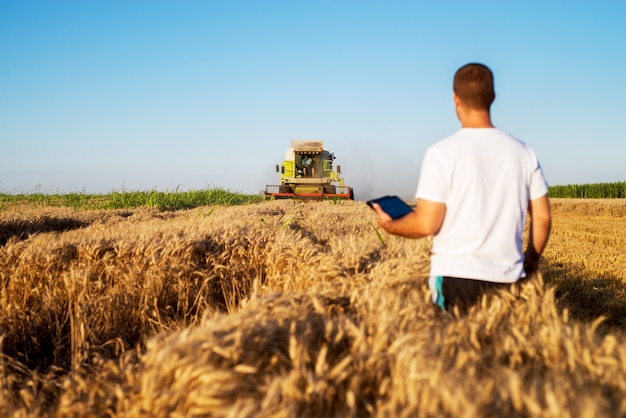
539, 231
384, 220
531, 265
425, 220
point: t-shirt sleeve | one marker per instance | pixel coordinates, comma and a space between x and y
432, 184
538, 184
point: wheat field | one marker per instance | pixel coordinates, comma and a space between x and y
297, 309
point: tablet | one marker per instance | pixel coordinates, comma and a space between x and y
393, 205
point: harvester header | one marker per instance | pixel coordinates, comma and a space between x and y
308, 172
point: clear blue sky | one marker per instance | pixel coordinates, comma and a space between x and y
109, 95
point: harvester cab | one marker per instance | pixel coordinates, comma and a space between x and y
308, 171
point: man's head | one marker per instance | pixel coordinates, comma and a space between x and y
473, 85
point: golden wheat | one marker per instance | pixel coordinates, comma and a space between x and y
285, 308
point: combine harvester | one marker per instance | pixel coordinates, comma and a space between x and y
308, 172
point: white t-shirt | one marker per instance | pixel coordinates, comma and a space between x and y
486, 179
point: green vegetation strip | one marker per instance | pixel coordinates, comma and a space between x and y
178, 200
175, 200
590, 191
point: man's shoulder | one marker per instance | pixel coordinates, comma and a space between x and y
464, 134
449, 141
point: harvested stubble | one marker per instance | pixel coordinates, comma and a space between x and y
276, 309
586, 259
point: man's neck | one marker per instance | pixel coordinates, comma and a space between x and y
476, 119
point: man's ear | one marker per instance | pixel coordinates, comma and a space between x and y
457, 106
456, 99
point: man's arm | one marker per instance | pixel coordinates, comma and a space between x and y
425, 220
539, 231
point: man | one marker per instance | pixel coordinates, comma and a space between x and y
476, 188
307, 166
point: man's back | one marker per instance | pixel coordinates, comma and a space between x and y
485, 177
474, 192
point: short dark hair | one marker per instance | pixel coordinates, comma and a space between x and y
473, 84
